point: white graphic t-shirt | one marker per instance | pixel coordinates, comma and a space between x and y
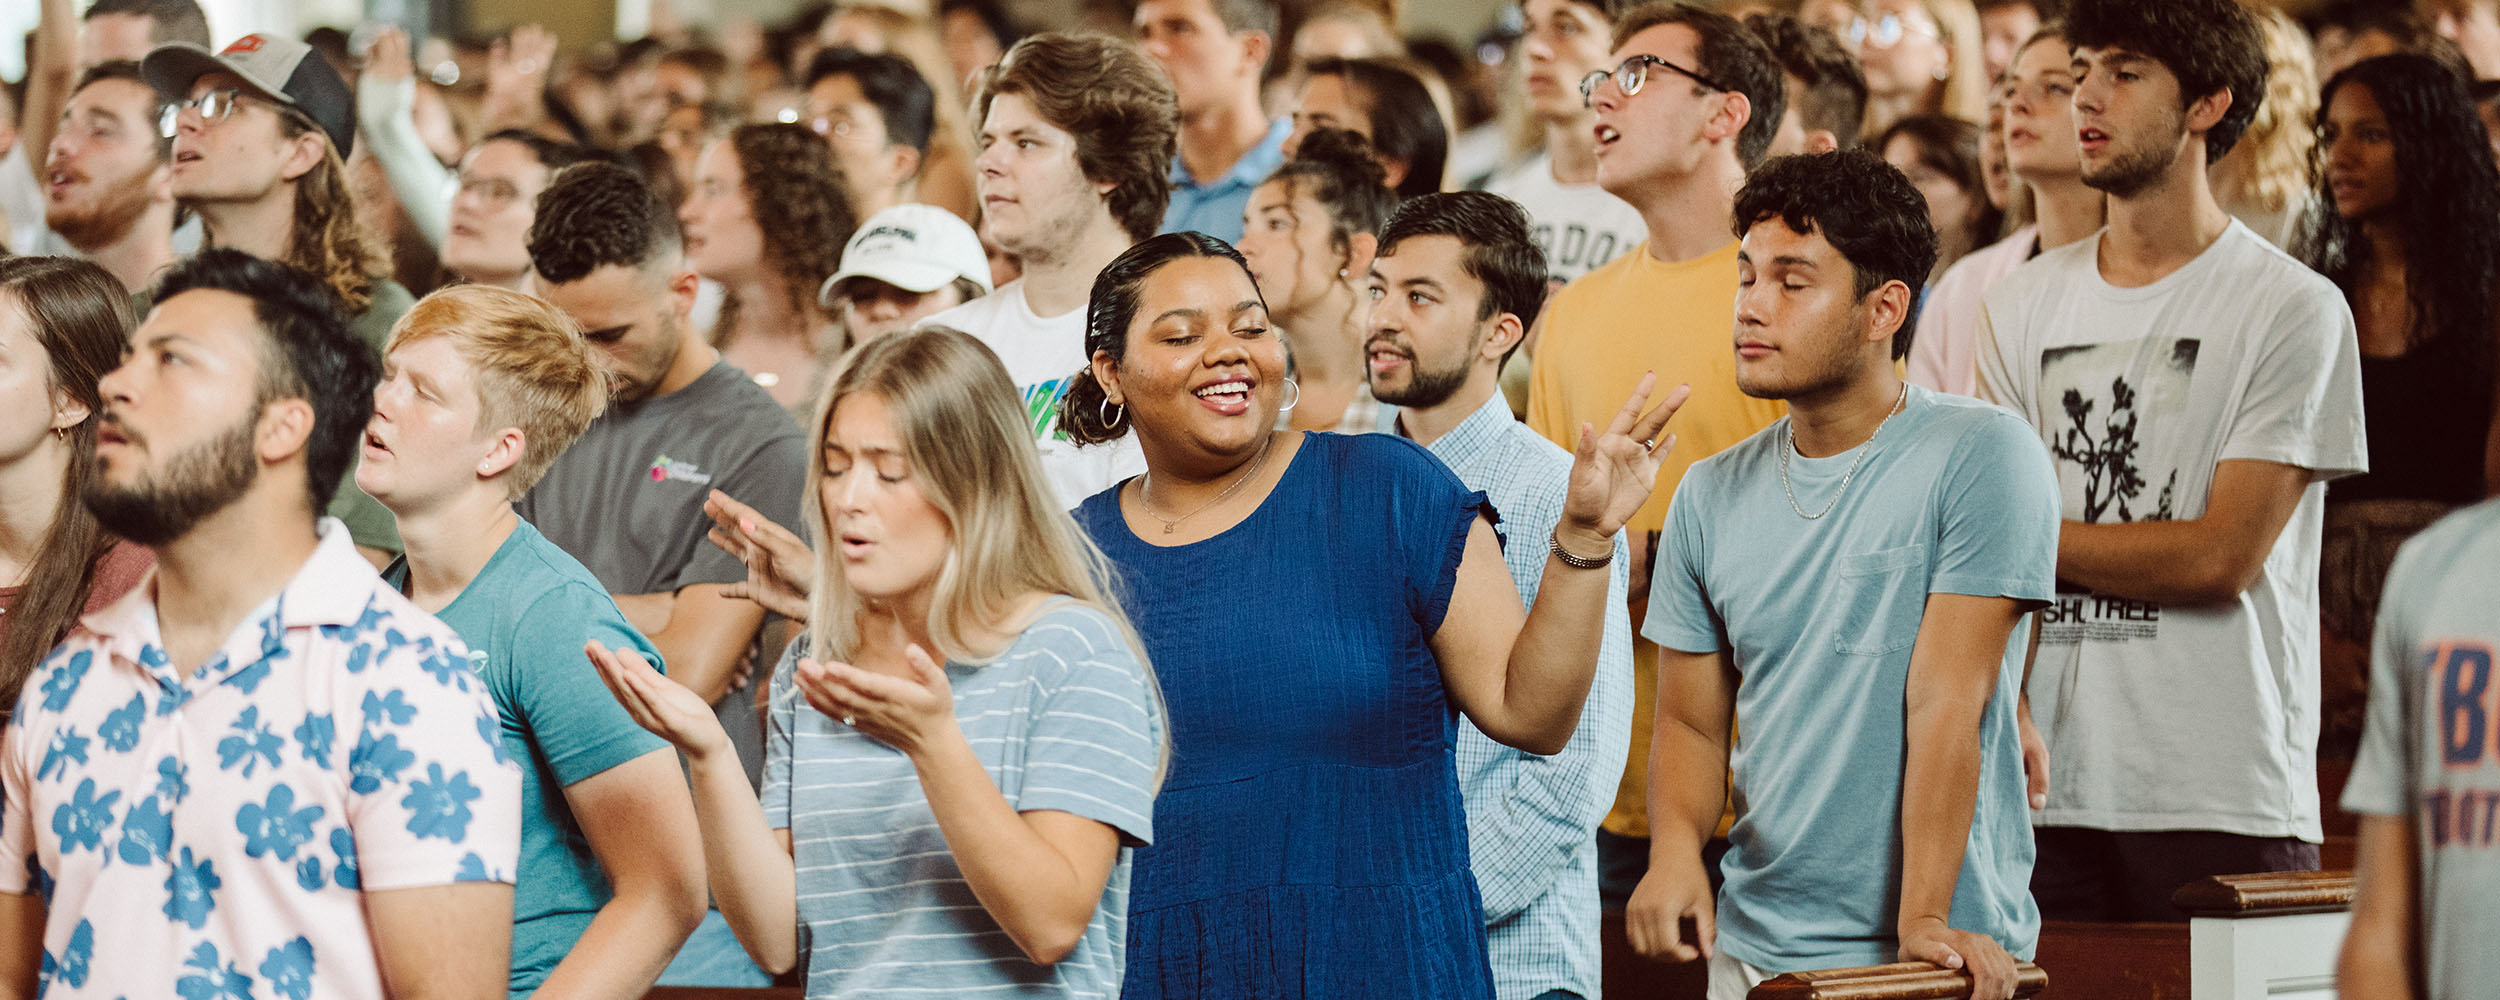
1042, 355
2167, 717
1579, 226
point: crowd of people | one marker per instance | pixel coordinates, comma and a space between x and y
903, 500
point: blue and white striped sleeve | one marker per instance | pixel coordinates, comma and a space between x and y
1097, 736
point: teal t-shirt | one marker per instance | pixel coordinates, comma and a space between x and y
1954, 496
524, 619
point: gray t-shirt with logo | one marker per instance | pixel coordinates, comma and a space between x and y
2429, 753
627, 498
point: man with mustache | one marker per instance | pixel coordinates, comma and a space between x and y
67, 49
262, 770
108, 184
1456, 281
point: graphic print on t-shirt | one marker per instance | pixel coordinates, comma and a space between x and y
1041, 408
2116, 398
2461, 695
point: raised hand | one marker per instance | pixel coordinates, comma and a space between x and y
906, 713
516, 76
1614, 472
388, 58
658, 704
781, 569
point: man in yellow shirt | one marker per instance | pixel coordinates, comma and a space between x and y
1689, 105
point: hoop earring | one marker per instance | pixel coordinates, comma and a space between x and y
1295, 399
1110, 421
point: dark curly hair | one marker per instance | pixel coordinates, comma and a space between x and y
311, 356
2209, 45
2447, 215
1113, 100
1863, 207
1500, 253
797, 196
595, 214
1405, 123
1731, 55
1108, 313
1831, 93
1338, 170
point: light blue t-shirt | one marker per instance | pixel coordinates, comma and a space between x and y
2431, 751
1956, 497
524, 619
1215, 208
1065, 720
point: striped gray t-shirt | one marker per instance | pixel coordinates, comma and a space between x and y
1064, 720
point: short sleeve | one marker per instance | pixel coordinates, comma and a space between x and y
1430, 515
17, 831
779, 723
2303, 402
435, 799
1998, 353
772, 480
2382, 780
1997, 533
1096, 740
576, 725
1680, 617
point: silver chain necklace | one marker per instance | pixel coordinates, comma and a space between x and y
1146, 500
1863, 450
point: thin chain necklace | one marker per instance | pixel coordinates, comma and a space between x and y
1864, 450
1146, 499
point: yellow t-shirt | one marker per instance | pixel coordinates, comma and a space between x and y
1635, 315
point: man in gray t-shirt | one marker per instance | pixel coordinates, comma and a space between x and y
2427, 784
627, 498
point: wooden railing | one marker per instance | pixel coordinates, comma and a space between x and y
2269, 895
2265, 937
1899, 981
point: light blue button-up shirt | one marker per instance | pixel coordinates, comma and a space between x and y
1214, 208
1531, 820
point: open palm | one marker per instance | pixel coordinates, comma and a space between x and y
1614, 472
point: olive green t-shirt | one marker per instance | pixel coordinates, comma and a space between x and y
368, 522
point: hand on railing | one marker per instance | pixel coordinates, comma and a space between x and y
1899, 981
1990, 966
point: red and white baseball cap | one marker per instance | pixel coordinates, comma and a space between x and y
275, 67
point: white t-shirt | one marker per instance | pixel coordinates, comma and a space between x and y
1579, 226
1042, 356
2181, 718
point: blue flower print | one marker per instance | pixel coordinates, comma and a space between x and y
359, 658
173, 779
171, 695
491, 729
473, 869
63, 682
248, 679
276, 826
81, 821
308, 872
439, 806
314, 738
343, 845
273, 635
376, 762
289, 969
67, 746
191, 890
392, 705
447, 668
251, 745
121, 729
214, 981
71, 967
147, 832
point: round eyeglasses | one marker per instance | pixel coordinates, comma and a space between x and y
1634, 72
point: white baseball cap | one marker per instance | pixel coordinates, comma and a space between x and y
917, 248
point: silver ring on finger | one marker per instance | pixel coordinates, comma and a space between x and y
849, 721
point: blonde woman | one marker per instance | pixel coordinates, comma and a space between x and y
2264, 181
1921, 56
966, 750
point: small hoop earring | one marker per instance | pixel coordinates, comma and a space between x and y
1944, 71
1110, 420
1294, 400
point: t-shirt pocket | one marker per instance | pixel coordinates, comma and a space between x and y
1884, 606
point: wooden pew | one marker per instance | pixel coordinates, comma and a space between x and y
725, 993
2266, 937
1898, 981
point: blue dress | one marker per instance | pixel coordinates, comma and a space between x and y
1310, 840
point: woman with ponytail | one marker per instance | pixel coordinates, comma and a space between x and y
1308, 233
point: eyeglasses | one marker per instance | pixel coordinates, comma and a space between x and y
213, 106
1634, 72
837, 127
1887, 31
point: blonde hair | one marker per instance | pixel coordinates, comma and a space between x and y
1966, 87
972, 456
535, 371
2270, 165
329, 238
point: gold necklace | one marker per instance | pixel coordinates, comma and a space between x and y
1145, 498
